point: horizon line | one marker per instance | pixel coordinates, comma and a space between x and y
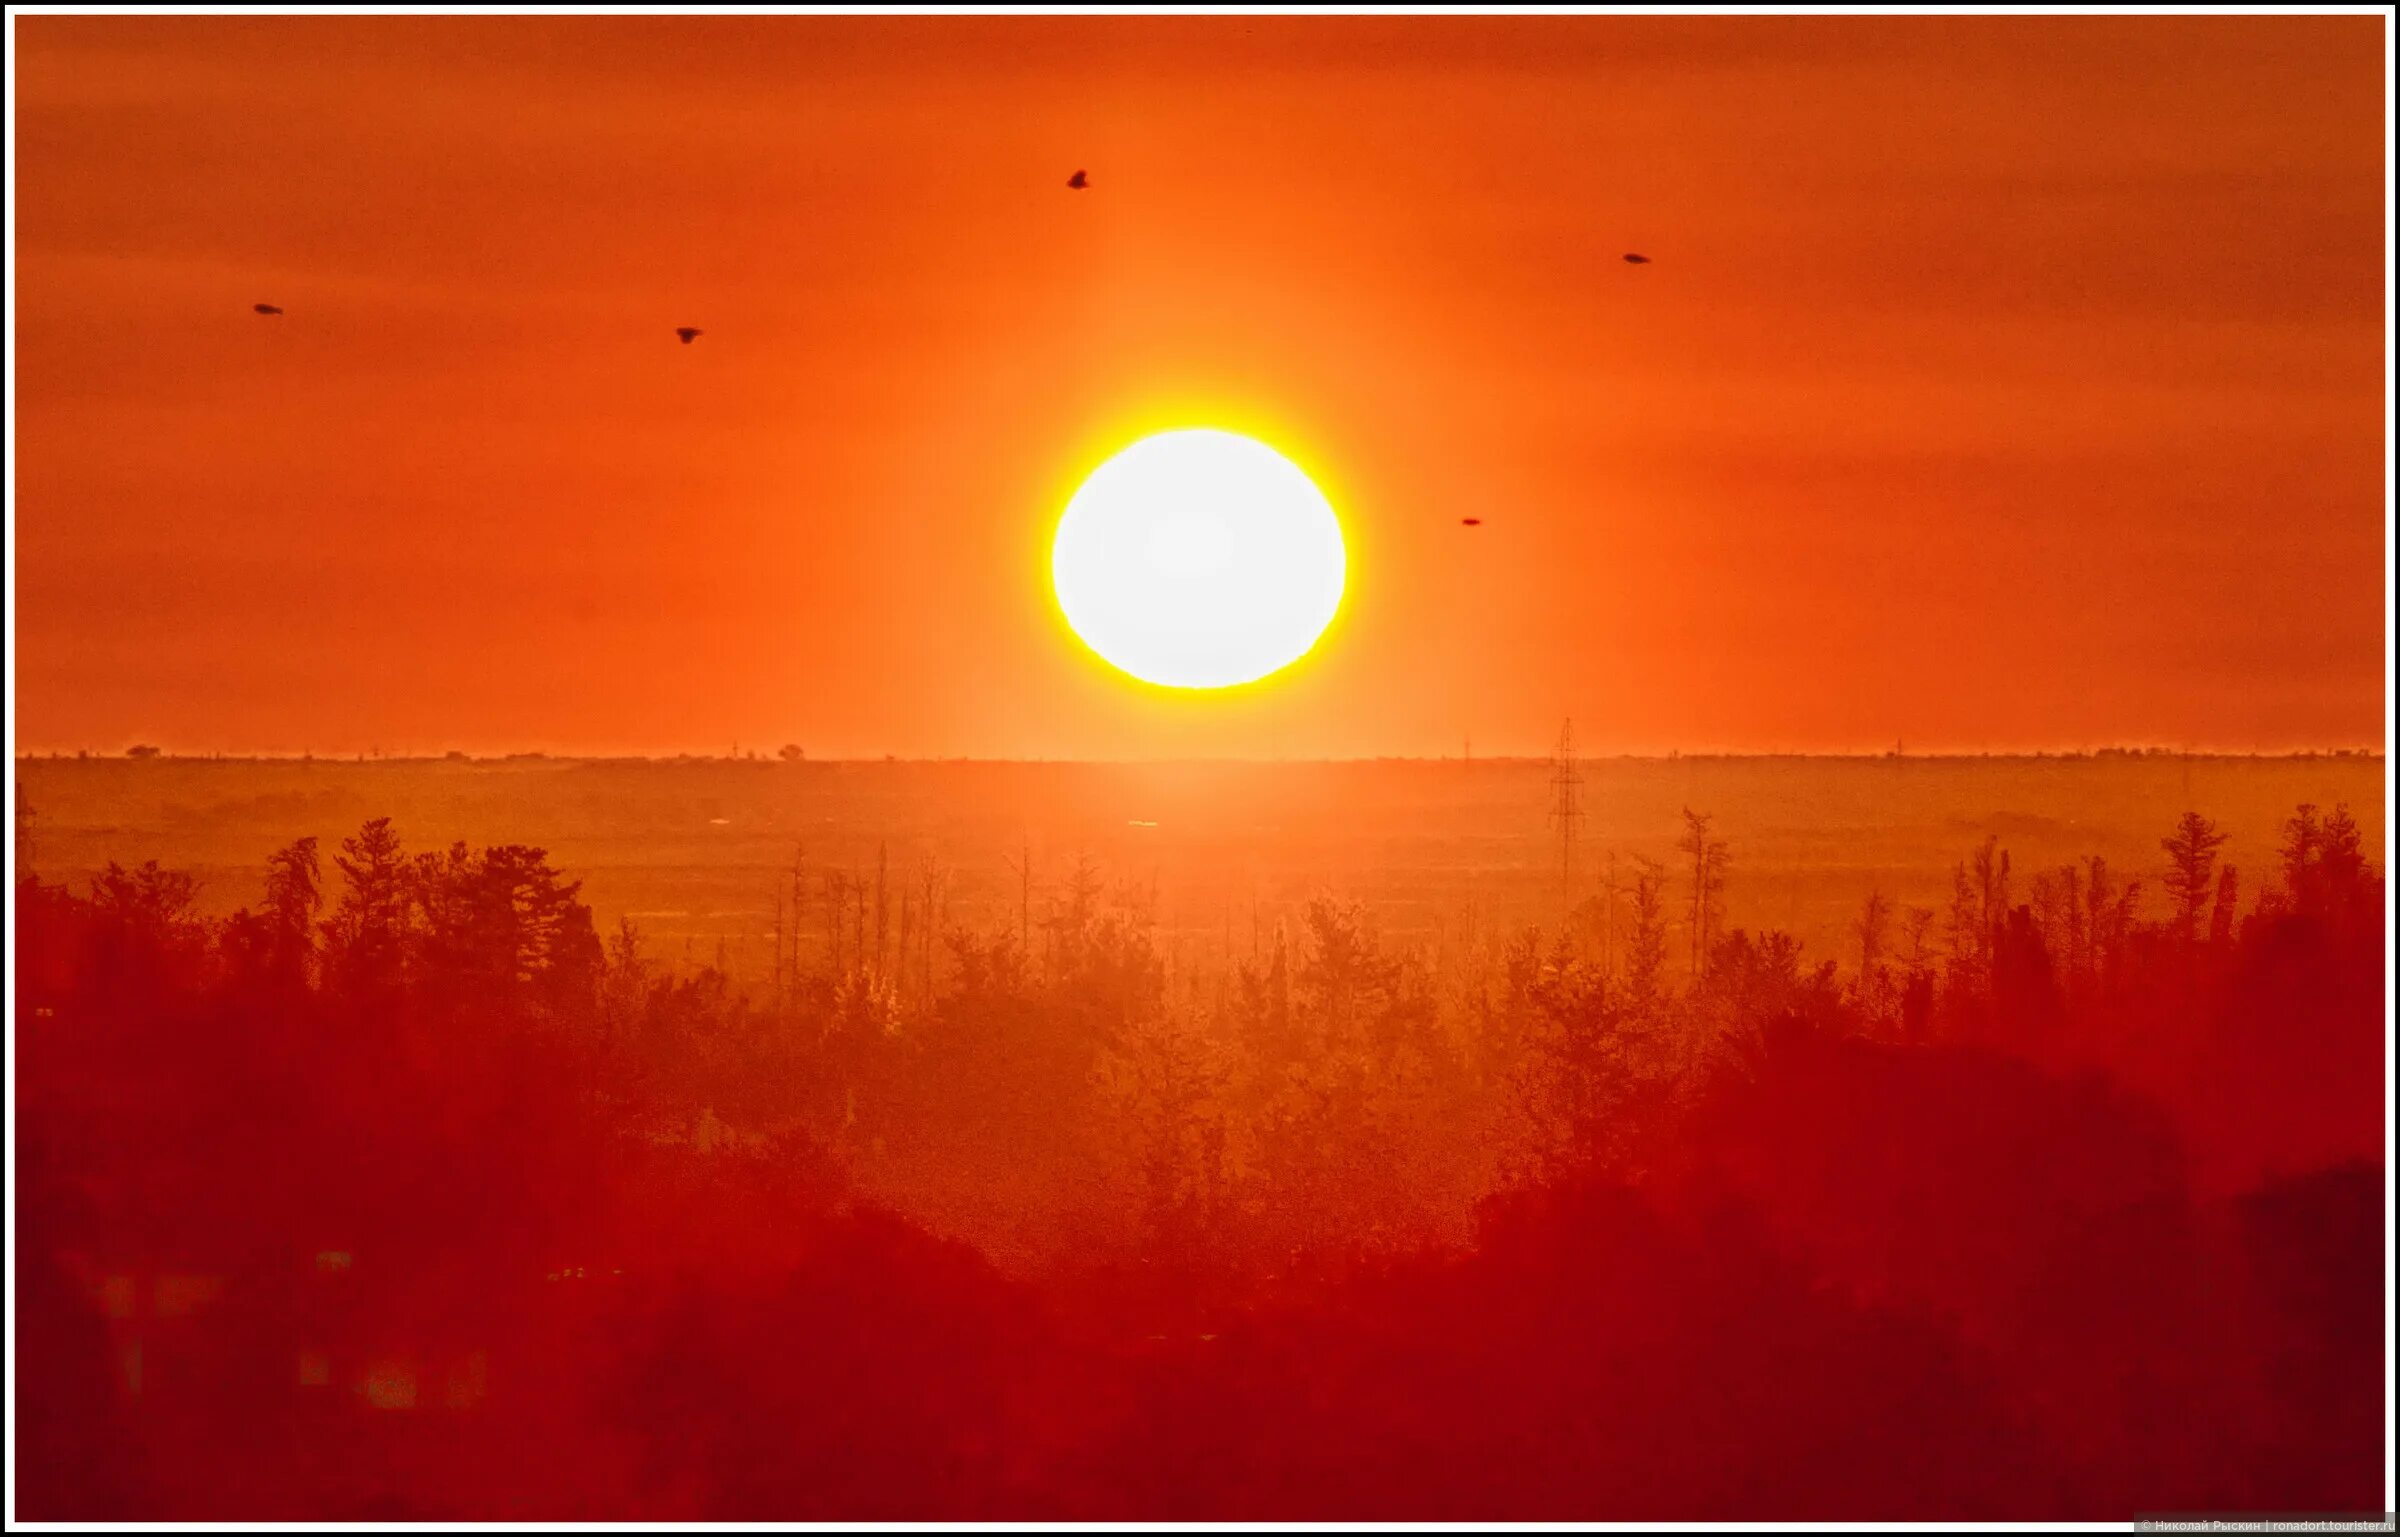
138, 754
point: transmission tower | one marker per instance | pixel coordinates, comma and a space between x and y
1566, 802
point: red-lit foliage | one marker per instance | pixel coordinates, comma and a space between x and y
421, 1202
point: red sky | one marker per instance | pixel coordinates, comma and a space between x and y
1998, 382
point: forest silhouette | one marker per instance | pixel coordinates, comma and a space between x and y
405, 1192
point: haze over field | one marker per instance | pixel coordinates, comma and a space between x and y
699, 852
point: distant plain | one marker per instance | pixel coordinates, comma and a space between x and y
698, 852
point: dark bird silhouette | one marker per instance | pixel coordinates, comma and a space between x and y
1079, 181
1472, 522
1637, 258
268, 309
686, 334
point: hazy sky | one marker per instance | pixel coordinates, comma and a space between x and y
1997, 382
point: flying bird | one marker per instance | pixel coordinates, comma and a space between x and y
268, 309
1472, 522
1637, 259
1079, 181
686, 334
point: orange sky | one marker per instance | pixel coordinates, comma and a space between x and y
1998, 382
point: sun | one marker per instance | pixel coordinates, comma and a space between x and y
1199, 559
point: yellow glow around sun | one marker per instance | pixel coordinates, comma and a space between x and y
1199, 559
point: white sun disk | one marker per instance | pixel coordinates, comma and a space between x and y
1189, 546
1199, 559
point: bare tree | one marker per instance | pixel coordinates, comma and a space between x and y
1916, 927
1991, 889
1874, 931
1023, 865
2109, 912
1873, 926
1710, 859
837, 903
1978, 906
858, 921
1610, 890
932, 882
799, 852
882, 860
1646, 945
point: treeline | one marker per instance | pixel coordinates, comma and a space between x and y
1641, 1215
